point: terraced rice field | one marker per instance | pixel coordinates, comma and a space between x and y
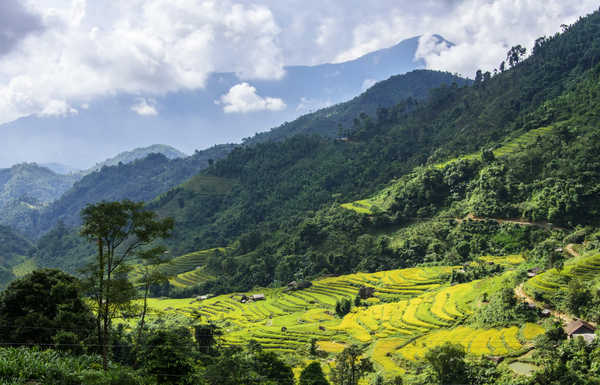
187, 270
25, 267
507, 260
413, 309
585, 267
511, 146
362, 207
191, 278
497, 342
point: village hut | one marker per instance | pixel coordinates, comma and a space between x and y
366, 292
495, 359
579, 328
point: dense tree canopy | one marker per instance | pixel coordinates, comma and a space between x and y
45, 308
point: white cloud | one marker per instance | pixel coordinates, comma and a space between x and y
150, 47
308, 105
243, 98
58, 108
145, 107
71, 52
485, 30
368, 83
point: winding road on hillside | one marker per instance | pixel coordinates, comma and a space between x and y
520, 293
571, 251
472, 217
522, 222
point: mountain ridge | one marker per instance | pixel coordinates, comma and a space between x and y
110, 122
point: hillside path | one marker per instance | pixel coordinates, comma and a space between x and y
522, 222
520, 293
569, 249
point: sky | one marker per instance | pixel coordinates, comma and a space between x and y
57, 56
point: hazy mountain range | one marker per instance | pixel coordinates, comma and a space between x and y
226, 110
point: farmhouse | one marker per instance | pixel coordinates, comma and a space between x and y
579, 328
258, 297
533, 272
366, 292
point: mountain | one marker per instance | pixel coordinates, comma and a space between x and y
330, 120
32, 184
148, 178
140, 180
60, 168
278, 204
139, 153
196, 119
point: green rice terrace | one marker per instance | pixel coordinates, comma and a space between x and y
384, 198
546, 284
410, 311
188, 269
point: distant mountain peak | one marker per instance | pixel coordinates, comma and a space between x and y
138, 153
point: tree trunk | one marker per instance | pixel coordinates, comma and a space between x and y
106, 311
144, 309
101, 312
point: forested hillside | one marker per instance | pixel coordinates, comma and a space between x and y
32, 184
335, 121
14, 249
138, 153
147, 178
140, 180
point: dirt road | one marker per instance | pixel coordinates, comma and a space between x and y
520, 293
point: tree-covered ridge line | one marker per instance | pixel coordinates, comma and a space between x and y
28, 187
31, 184
335, 121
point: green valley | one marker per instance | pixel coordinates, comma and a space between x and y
433, 230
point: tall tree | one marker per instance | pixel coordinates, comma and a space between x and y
120, 230
515, 54
313, 375
448, 363
150, 274
350, 368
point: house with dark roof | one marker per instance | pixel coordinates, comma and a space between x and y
579, 328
